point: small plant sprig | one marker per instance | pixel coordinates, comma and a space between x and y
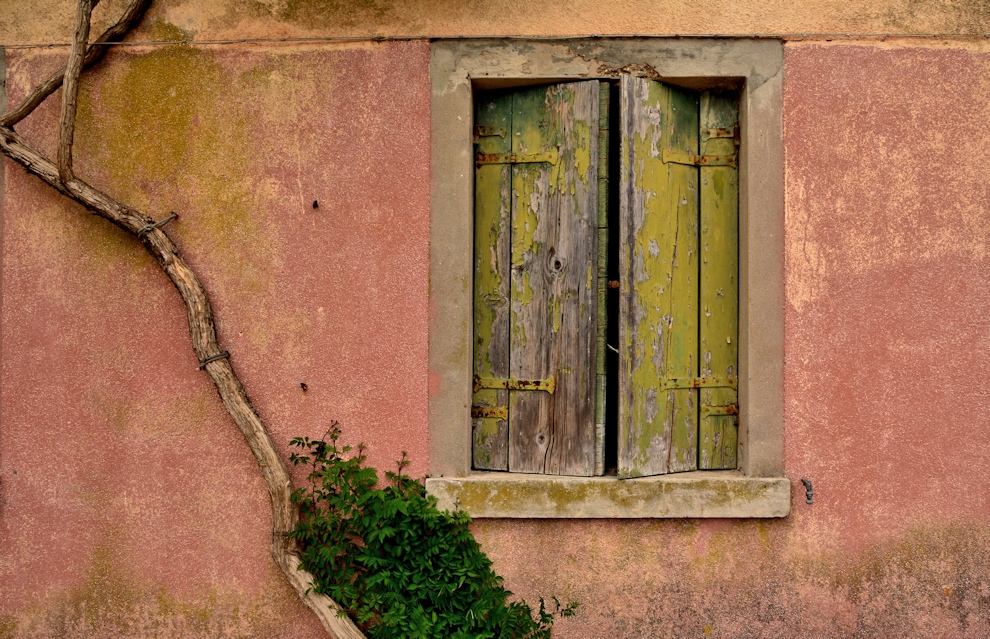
399, 567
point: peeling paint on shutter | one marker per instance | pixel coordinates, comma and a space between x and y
719, 282
492, 243
659, 290
546, 213
679, 289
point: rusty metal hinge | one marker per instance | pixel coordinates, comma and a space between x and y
708, 410
669, 157
481, 131
708, 134
697, 382
490, 412
549, 384
515, 158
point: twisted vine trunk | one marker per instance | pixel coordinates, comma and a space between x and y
202, 332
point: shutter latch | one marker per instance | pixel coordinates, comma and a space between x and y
669, 157
718, 411
698, 382
708, 134
707, 410
502, 412
481, 131
515, 158
490, 412
549, 384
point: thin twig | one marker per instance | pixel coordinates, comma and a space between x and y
70, 90
95, 51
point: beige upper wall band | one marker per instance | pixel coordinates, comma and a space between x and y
43, 21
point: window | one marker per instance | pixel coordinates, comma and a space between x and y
541, 261
705, 78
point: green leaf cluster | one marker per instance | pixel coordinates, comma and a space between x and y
398, 566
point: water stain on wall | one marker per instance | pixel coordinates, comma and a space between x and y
108, 603
749, 579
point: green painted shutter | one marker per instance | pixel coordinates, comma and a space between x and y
492, 242
669, 362
536, 288
719, 406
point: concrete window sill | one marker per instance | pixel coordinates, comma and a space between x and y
695, 494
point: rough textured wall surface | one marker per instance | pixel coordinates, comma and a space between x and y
888, 264
129, 506
129, 503
46, 21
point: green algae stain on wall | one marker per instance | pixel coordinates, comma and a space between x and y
168, 135
221, 138
108, 602
142, 116
161, 31
931, 581
8, 624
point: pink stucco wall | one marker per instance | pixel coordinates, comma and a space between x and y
129, 506
888, 266
125, 488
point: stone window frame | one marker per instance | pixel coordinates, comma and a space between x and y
755, 66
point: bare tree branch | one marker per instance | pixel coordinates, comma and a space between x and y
199, 312
95, 51
70, 90
204, 342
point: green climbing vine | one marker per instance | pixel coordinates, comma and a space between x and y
401, 568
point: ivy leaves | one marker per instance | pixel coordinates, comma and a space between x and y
401, 568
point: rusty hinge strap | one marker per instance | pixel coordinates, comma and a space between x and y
549, 384
708, 134
481, 131
697, 382
669, 157
490, 412
515, 158
715, 411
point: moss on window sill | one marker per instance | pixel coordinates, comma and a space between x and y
696, 494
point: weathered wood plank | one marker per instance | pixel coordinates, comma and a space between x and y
553, 288
659, 279
682, 320
719, 279
492, 243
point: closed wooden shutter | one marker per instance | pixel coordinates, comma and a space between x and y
719, 404
535, 280
492, 242
678, 283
